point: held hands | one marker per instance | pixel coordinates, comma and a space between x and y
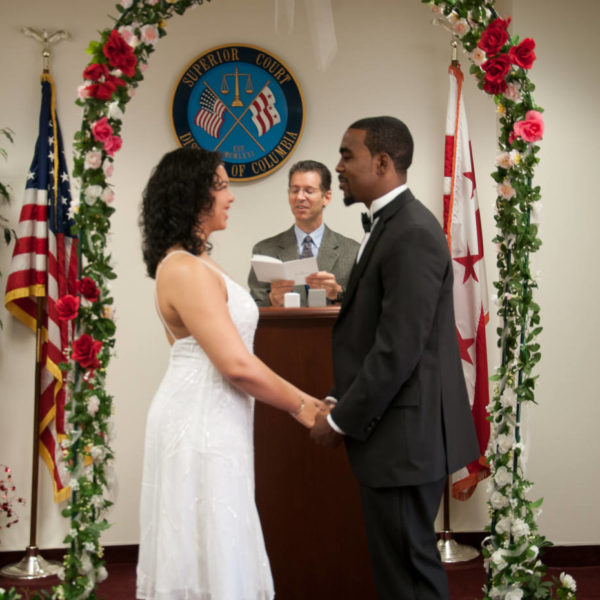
322, 280
308, 410
322, 433
278, 289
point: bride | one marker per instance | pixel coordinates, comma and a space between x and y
200, 535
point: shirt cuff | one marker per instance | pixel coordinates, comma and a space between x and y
334, 426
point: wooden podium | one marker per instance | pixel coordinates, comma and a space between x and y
307, 498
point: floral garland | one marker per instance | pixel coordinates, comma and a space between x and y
115, 70
501, 63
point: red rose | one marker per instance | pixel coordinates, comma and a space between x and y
116, 81
88, 289
494, 37
496, 69
101, 130
119, 54
85, 351
495, 87
523, 54
95, 72
101, 91
67, 307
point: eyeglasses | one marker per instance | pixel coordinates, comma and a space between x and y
308, 191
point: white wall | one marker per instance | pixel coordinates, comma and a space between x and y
390, 60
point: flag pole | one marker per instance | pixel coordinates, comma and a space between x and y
450, 550
33, 565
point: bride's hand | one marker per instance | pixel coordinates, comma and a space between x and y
307, 413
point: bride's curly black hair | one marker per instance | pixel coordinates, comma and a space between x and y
176, 198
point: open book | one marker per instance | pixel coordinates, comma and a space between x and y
270, 269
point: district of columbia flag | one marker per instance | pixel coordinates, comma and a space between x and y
210, 116
264, 113
44, 265
462, 225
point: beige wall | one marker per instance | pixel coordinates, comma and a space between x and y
391, 60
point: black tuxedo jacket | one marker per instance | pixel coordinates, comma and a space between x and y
402, 400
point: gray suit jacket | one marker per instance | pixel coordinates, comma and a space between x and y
336, 255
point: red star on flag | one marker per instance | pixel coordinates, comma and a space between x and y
464, 344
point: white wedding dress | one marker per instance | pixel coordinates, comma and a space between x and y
200, 534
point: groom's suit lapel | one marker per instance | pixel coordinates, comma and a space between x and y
386, 214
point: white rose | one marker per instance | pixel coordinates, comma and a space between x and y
519, 528
498, 559
568, 582
92, 192
508, 398
97, 452
503, 477
513, 594
503, 525
498, 500
108, 167
504, 443
114, 111
93, 159
101, 574
93, 405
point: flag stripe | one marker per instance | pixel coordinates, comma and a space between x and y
462, 225
44, 265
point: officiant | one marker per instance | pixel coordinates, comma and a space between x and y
309, 192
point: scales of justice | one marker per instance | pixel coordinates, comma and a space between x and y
236, 75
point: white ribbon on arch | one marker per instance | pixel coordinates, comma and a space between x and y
320, 25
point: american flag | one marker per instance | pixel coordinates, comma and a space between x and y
210, 115
44, 266
264, 113
462, 225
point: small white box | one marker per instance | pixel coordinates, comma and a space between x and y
317, 298
291, 300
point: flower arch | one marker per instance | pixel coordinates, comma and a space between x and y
501, 63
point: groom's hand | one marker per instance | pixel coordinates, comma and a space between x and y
323, 434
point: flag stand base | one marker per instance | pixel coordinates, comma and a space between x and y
31, 566
451, 551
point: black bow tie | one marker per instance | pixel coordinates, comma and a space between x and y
367, 223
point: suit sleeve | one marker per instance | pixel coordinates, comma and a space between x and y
412, 273
259, 290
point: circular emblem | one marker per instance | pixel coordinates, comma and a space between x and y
242, 102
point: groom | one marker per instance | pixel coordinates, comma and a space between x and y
400, 402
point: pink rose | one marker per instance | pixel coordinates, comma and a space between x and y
523, 54
112, 145
101, 130
531, 129
67, 307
